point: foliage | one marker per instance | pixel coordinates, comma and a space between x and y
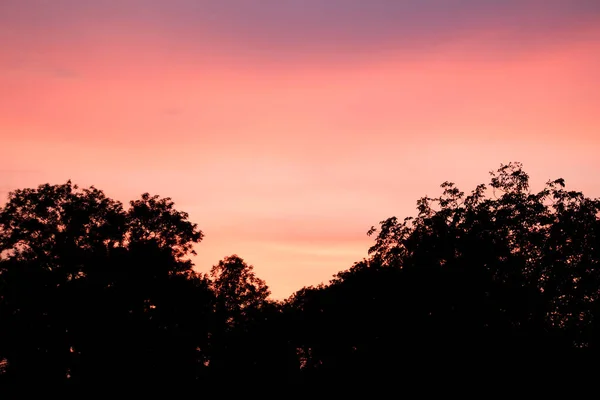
237, 287
93, 293
90, 291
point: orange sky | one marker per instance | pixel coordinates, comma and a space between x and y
285, 145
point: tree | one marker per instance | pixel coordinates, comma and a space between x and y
351, 328
251, 341
500, 275
58, 225
514, 269
154, 219
89, 291
47, 237
238, 290
92, 293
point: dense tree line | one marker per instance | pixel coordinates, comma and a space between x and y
91, 292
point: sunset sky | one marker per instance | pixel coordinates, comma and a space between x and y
287, 128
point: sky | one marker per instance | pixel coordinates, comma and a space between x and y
287, 128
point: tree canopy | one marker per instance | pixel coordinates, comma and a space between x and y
92, 292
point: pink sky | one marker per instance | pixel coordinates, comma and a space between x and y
287, 158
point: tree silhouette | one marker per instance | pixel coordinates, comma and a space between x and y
88, 290
154, 219
250, 341
238, 290
496, 284
527, 257
501, 274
